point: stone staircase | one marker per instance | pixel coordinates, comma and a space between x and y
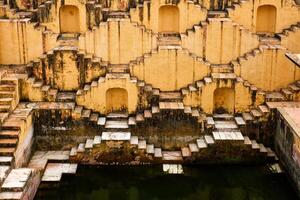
9, 95
201, 33
44, 166
286, 32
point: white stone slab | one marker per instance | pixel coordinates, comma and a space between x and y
97, 140
119, 136
134, 140
193, 147
150, 149
89, 143
240, 121
142, 144
172, 155
101, 121
117, 124
201, 143
157, 152
208, 139
17, 179
210, 121
225, 125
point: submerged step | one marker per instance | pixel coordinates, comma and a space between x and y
172, 168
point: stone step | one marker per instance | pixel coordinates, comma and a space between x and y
170, 96
89, 144
210, 121
275, 96
225, 125
66, 96
147, 114
134, 140
86, 113
3, 116
195, 113
16, 180
254, 144
193, 147
294, 87
157, 152
172, 156
5, 108
142, 144
54, 171
201, 143
116, 136
263, 109
4, 170
94, 117
171, 106
187, 110
117, 115
255, 113
247, 117
247, 140
239, 121
262, 148
150, 148
7, 94
97, 140
209, 139
11, 142
12, 124
228, 135
223, 117
101, 121
5, 101
7, 87
7, 151
6, 160
131, 121
117, 124
11, 195
81, 148
186, 152
9, 133
73, 151
139, 118
155, 109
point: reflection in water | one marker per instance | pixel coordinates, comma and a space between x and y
143, 183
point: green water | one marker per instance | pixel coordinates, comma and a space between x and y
149, 183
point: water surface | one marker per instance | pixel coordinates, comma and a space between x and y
149, 183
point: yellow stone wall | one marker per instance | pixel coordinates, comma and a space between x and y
287, 13
220, 41
269, 70
170, 69
190, 14
95, 98
291, 42
134, 41
205, 98
20, 41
